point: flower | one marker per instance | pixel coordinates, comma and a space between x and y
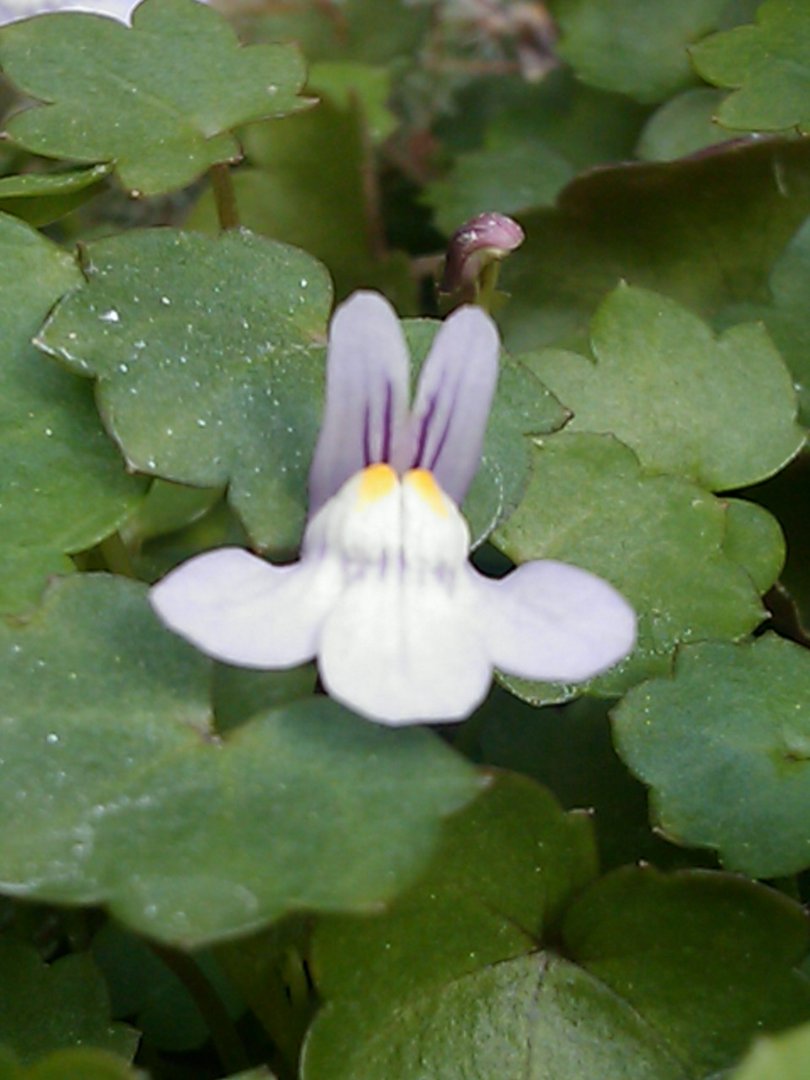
404, 628
13, 10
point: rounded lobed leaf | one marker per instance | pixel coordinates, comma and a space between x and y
663, 384
41, 198
767, 65
635, 47
651, 224
51, 1007
62, 486
118, 791
660, 540
636, 975
707, 959
724, 745
209, 356
160, 99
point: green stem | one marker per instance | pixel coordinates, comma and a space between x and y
224, 197
229, 1046
486, 284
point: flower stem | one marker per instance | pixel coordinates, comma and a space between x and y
229, 1046
224, 197
486, 284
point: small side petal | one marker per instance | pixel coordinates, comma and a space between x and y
453, 399
238, 608
551, 621
367, 372
403, 652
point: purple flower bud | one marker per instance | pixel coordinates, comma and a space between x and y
483, 239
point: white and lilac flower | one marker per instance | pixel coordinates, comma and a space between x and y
14, 10
404, 628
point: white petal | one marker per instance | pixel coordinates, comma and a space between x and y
366, 394
453, 401
548, 620
401, 649
11, 10
245, 611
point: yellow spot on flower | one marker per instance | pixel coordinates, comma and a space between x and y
376, 482
421, 481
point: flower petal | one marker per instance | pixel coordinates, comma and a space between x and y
402, 650
243, 610
453, 401
367, 371
548, 620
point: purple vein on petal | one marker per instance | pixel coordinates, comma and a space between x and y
366, 394
453, 399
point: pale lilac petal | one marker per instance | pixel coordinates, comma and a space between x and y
400, 650
551, 621
245, 611
12, 10
453, 399
367, 380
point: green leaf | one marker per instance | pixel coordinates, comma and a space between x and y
636, 976
40, 198
63, 486
142, 986
569, 750
240, 693
488, 894
509, 172
309, 187
585, 126
269, 971
72, 1065
652, 225
634, 47
159, 99
362, 30
344, 81
117, 789
47, 1008
683, 125
755, 540
724, 744
517, 143
209, 356
785, 314
767, 65
783, 1057
706, 958
658, 539
663, 384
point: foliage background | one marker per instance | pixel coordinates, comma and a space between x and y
210, 872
